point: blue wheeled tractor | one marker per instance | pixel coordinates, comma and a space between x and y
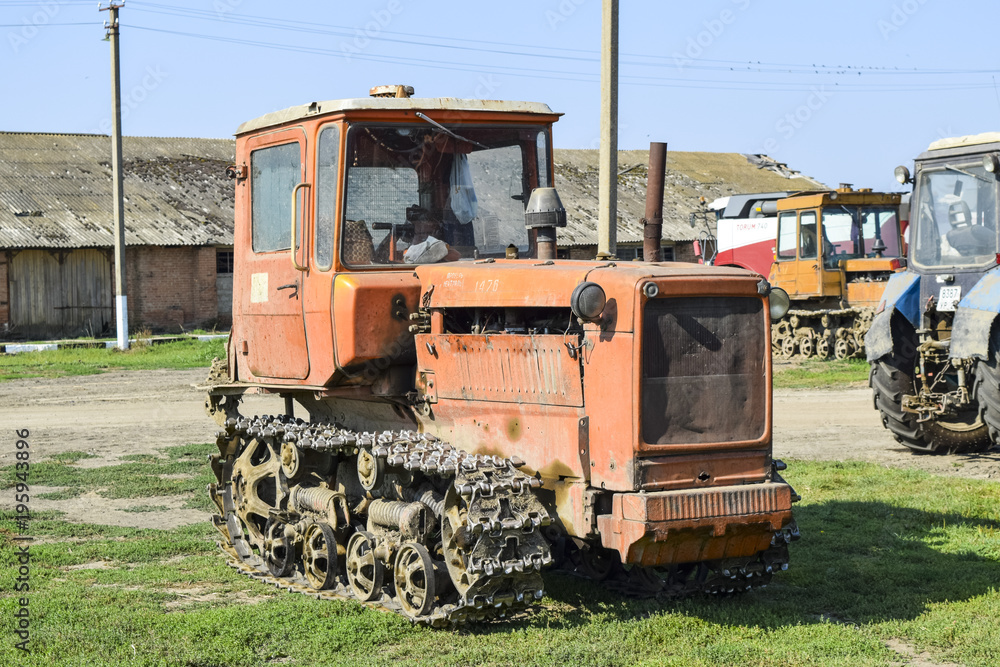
934, 345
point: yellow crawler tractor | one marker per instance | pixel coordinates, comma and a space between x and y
835, 252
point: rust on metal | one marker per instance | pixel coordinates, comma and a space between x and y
463, 422
652, 222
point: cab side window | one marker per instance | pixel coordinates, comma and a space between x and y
274, 172
786, 235
807, 235
326, 195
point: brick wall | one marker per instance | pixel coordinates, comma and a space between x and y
170, 288
684, 252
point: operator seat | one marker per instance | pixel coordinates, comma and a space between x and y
359, 249
965, 236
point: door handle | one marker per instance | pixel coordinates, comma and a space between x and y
291, 286
295, 215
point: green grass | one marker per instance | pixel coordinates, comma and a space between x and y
816, 374
142, 478
885, 554
88, 361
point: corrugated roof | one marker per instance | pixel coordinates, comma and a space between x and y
55, 191
689, 176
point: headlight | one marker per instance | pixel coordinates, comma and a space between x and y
902, 175
587, 301
780, 303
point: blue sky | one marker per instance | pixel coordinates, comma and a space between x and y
841, 91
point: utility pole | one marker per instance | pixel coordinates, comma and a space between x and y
607, 204
121, 300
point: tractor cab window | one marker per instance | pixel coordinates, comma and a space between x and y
841, 231
274, 171
786, 235
880, 224
808, 243
424, 193
955, 216
852, 232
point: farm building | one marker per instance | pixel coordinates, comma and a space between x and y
689, 177
56, 238
56, 224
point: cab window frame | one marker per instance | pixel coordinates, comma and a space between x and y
782, 215
277, 226
328, 193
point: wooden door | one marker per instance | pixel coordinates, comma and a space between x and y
61, 293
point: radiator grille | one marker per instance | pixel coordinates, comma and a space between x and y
703, 370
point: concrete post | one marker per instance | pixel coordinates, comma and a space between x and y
607, 223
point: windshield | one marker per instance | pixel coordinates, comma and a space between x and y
955, 217
422, 193
852, 232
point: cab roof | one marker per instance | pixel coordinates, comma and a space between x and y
862, 197
301, 111
967, 140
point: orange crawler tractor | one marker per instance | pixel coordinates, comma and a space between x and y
466, 417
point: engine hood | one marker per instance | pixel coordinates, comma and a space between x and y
528, 283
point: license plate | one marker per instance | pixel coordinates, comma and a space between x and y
949, 297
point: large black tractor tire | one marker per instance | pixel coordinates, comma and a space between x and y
987, 392
891, 378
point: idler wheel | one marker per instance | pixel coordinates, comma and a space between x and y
279, 554
365, 572
413, 575
370, 470
319, 556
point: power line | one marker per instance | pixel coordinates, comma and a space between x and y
593, 56
44, 25
819, 74
567, 75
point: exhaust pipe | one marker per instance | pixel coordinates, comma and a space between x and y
652, 222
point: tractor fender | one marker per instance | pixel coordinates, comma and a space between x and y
974, 317
901, 295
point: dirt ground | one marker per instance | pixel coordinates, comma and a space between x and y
142, 412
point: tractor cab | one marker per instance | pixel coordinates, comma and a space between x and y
840, 244
338, 202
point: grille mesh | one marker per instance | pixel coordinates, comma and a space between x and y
703, 370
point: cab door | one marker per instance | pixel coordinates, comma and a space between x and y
797, 265
809, 267
783, 271
275, 269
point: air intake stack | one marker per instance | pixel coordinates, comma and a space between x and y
544, 213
